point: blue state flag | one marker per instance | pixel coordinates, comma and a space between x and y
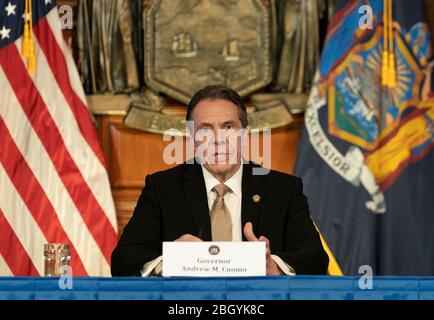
366, 155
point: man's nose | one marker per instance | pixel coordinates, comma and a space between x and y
219, 136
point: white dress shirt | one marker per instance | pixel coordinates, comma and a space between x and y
233, 203
232, 199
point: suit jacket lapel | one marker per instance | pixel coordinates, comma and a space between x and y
195, 193
253, 195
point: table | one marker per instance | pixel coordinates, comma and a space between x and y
237, 288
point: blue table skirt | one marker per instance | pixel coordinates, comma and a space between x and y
248, 288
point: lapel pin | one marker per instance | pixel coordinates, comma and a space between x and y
256, 198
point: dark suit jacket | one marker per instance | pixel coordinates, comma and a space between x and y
174, 202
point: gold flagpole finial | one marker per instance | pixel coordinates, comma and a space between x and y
28, 47
385, 54
392, 71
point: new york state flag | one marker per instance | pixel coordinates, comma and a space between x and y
366, 155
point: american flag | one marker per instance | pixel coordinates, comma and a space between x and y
54, 186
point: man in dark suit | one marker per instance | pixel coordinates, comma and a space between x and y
220, 197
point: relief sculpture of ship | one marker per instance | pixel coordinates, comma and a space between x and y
231, 51
183, 45
191, 43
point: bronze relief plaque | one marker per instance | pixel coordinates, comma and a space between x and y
192, 43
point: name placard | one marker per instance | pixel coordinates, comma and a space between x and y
213, 259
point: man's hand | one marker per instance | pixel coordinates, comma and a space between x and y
184, 238
272, 267
188, 238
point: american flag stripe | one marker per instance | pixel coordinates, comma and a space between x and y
55, 56
14, 251
35, 154
56, 152
61, 113
28, 187
73, 76
19, 245
77, 138
37, 113
4, 268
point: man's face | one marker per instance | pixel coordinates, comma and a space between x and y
217, 132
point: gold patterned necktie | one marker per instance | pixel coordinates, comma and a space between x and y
221, 222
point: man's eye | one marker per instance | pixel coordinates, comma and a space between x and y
229, 126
